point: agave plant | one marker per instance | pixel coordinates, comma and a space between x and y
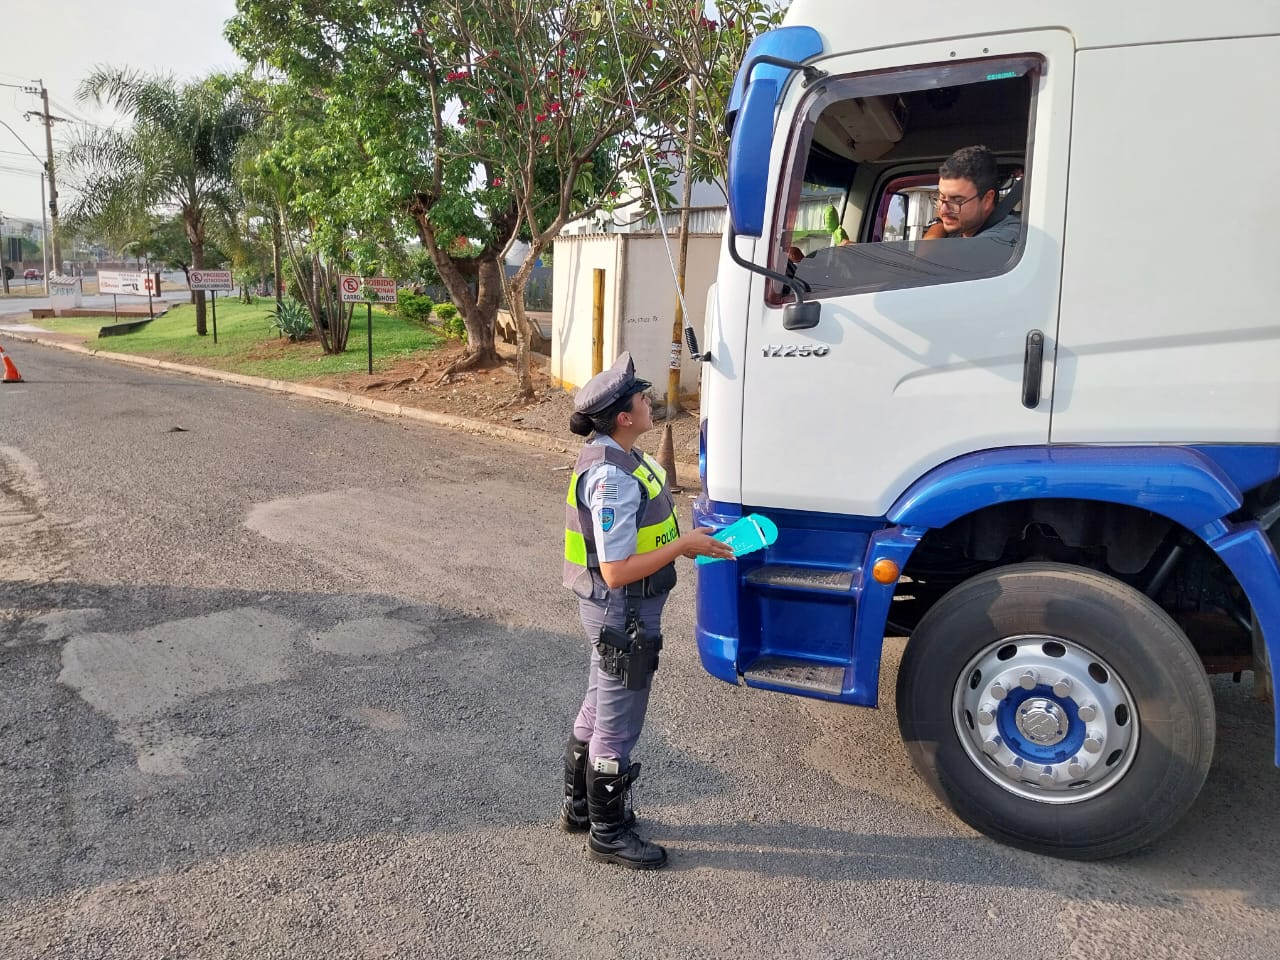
291, 319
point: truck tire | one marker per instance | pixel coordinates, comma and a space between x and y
1056, 709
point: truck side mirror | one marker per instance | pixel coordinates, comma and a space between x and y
749, 158
802, 315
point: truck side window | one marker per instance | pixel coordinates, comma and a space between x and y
864, 165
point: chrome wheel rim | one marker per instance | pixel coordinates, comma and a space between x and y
1046, 719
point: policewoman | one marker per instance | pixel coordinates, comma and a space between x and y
621, 543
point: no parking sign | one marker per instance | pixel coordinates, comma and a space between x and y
210, 280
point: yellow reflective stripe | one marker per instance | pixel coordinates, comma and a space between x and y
652, 537
657, 469
651, 483
575, 548
572, 498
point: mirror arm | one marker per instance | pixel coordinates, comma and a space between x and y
793, 283
811, 74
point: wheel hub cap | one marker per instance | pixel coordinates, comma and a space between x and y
1045, 718
1043, 721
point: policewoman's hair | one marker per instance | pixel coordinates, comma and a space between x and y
604, 422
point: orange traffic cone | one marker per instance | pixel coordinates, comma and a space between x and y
11, 374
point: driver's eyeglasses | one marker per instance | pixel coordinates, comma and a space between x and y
951, 203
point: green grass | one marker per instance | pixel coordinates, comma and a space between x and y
247, 343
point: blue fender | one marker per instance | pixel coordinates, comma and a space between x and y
1180, 483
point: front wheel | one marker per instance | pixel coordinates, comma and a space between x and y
1056, 709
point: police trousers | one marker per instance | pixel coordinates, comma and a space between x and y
611, 716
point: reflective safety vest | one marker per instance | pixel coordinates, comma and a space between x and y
655, 526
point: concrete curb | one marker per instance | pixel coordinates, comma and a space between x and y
342, 398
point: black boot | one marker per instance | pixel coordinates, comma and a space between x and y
574, 816
611, 839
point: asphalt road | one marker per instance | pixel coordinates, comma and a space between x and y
285, 680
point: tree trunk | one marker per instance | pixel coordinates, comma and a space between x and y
524, 329
277, 258
479, 312
682, 260
195, 234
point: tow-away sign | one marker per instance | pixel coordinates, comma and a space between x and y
353, 289
211, 280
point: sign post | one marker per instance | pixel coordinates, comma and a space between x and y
212, 281
369, 290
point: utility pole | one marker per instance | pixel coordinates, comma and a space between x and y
4, 273
49, 120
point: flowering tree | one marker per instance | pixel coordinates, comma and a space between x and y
549, 94
385, 111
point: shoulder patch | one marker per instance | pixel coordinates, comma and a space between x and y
606, 519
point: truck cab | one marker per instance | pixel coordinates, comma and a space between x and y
1049, 457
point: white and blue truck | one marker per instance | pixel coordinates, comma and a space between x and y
1054, 466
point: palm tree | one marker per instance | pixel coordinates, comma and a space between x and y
178, 154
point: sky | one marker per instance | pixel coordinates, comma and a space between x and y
64, 39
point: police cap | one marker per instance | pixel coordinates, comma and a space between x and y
605, 389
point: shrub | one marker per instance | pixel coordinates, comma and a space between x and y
451, 321
413, 306
291, 319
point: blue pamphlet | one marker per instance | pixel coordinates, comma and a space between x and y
753, 532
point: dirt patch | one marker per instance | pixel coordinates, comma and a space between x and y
490, 395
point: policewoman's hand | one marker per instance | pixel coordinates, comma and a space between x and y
700, 543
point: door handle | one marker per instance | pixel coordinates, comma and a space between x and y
1032, 365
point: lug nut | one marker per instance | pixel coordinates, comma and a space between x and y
1093, 742
991, 746
1047, 778
1062, 688
987, 713
998, 690
1076, 768
1014, 768
1087, 712
1029, 680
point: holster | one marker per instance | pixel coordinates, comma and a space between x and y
630, 654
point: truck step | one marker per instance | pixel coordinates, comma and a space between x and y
802, 578
796, 674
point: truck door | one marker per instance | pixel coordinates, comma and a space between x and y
924, 349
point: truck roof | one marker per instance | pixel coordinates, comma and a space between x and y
847, 27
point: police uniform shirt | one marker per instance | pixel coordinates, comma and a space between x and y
613, 497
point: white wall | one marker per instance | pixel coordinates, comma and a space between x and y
639, 309
649, 305
572, 292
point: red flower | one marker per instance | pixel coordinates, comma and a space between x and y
497, 181
540, 117
520, 107
553, 107
545, 138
